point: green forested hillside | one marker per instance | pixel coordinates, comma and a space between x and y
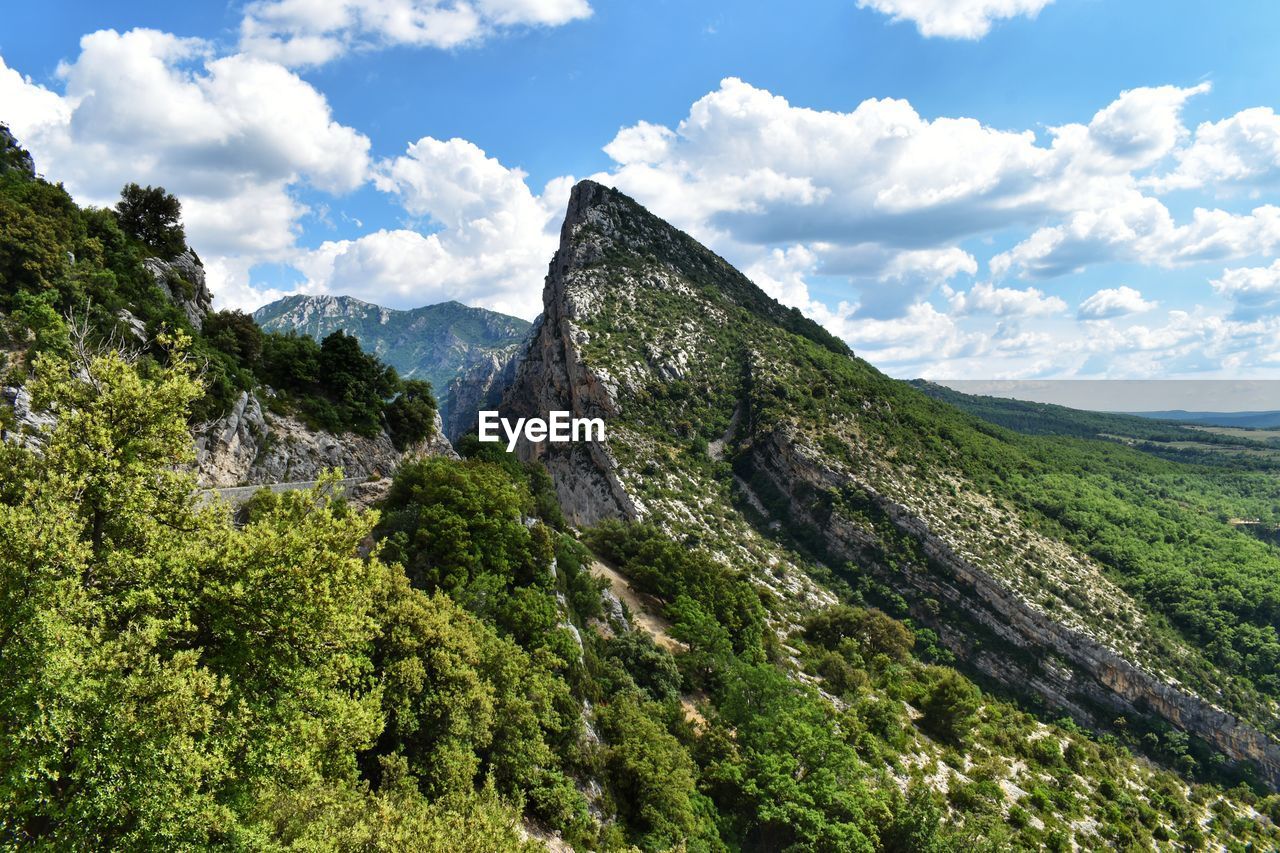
431, 343
1048, 419
61, 264
1163, 527
1157, 528
174, 682
1243, 449
765, 447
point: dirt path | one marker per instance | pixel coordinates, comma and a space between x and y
716, 448
643, 607
644, 614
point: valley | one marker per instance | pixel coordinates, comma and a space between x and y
784, 602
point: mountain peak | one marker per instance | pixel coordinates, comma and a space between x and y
749, 429
585, 195
605, 227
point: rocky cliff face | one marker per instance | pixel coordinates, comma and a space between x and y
182, 279
249, 446
25, 424
552, 375
1068, 668
479, 385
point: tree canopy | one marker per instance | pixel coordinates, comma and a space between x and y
153, 217
173, 682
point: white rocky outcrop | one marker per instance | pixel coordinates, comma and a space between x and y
182, 279
249, 446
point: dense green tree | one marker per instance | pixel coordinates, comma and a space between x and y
394, 818
173, 682
950, 707
153, 643
153, 217
667, 569
464, 704
357, 382
872, 630
791, 779
411, 415
449, 524
546, 503
653, 668
290, 362
653, 779
236, 334
917, 825
36, 235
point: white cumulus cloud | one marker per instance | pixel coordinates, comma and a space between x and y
1240, 151
1143, 230
312, 32
891, 205
986, 298
1252, 289
492, 245
1114, 302
872, 191
955, 19
231, 136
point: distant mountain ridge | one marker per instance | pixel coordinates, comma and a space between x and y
438, 343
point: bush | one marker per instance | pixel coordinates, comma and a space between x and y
653, 779
661, 567
652, 668
874, 631
916, 826
449, 523
237, 335
951, 708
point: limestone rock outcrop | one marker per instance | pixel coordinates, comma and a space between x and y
614, 262
248, 446
183, 281
478, 386
551, 375
26, 424
1066, 668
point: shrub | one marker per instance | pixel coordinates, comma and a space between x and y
874, 631
951, 707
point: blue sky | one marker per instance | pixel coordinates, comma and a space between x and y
959, 188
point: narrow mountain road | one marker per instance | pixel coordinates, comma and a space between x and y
236, 495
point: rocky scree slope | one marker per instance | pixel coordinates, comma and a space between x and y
462, 351
742, 427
